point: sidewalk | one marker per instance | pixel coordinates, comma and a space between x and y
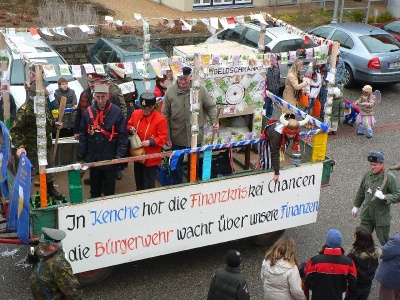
125, 9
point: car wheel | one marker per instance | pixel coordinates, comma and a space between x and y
348, 77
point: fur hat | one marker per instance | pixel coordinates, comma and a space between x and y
233, 258
333, 238
376, 157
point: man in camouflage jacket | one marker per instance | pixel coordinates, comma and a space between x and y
378, 189
52, 276
24, 134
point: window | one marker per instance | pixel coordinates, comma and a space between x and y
232, 34
392, 27
103, 53
379, 43
251, 38
343, 38
322, 31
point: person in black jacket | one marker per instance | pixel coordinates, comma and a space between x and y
102, 136
227, 283
331, 273
365, 256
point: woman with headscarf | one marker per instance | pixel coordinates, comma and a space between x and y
293, 84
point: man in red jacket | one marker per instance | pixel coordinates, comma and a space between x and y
331, 273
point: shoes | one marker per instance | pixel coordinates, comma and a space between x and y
360, 133
86, 181
51, 191
353, 124
345, 121
118, 175
369, 136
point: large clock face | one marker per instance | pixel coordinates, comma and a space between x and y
234, 94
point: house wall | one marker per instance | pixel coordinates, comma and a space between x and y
183, 5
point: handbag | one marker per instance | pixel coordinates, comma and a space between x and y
136, 148
316, 110
303, 100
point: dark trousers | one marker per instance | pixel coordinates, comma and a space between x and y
101, 181
177, 174
145, 177
269, 107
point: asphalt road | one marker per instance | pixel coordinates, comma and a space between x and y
186, 275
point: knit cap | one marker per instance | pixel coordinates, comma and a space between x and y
333, 239
233, 258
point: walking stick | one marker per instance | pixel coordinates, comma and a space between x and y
61, 110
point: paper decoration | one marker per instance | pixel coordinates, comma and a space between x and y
127, 87
185, 25
225, 24
164, 61
108, 18
259, 18
309, 53
155, 63
88, 68
118, 23
176, 67
76, 71
49, 71
34, 33
128, 66
214, 23
215, 59
84, 28
137, 16
64, 70
46, 31
205, 21
284, 58
99, 69
292, 56
239, 19
140, 68
60, 31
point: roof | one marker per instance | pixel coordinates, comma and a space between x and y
131, 44
359, 28
25, 43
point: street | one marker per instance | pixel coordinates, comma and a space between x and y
186, 275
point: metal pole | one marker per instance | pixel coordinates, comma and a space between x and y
335, 12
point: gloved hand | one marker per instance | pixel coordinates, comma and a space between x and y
378, 194
354, 212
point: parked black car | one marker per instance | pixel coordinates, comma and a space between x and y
125, 49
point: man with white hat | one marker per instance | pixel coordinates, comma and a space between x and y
378, 189
102, 136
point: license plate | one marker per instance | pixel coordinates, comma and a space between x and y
394, 65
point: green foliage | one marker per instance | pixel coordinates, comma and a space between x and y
383, 17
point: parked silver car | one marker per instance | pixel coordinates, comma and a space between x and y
277, 39
371, 55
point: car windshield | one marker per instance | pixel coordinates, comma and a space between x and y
17, 73
379, 43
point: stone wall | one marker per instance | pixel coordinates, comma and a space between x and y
77, 52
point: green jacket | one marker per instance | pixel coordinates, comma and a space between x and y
176, 109
377, 210
24, 130
55, 274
